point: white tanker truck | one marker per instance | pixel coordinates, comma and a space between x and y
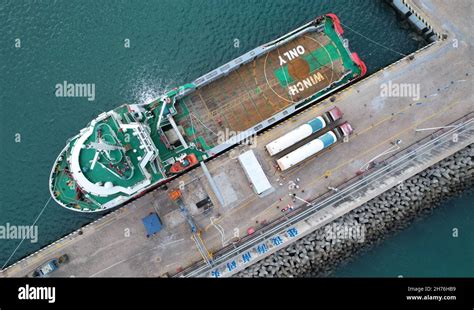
315, 146
303, 131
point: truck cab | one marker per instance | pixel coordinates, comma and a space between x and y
332, 115
343, 130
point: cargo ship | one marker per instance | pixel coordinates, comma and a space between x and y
135, 148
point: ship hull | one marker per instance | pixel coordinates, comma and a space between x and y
244, 96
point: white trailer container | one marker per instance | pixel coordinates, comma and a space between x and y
254, 172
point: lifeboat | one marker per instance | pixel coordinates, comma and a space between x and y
185, 163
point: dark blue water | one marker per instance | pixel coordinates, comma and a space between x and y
440, 245
171, 42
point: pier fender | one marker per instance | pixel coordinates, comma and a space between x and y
360, 63
337, 23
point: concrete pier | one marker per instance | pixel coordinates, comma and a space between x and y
322, 251
348, 197
116, 245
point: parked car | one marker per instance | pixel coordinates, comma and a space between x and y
50, 266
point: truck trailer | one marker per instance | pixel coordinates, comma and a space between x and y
303, 131
315, 146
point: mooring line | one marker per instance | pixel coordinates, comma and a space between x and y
34, 223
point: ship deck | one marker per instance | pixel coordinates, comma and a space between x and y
258, 90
